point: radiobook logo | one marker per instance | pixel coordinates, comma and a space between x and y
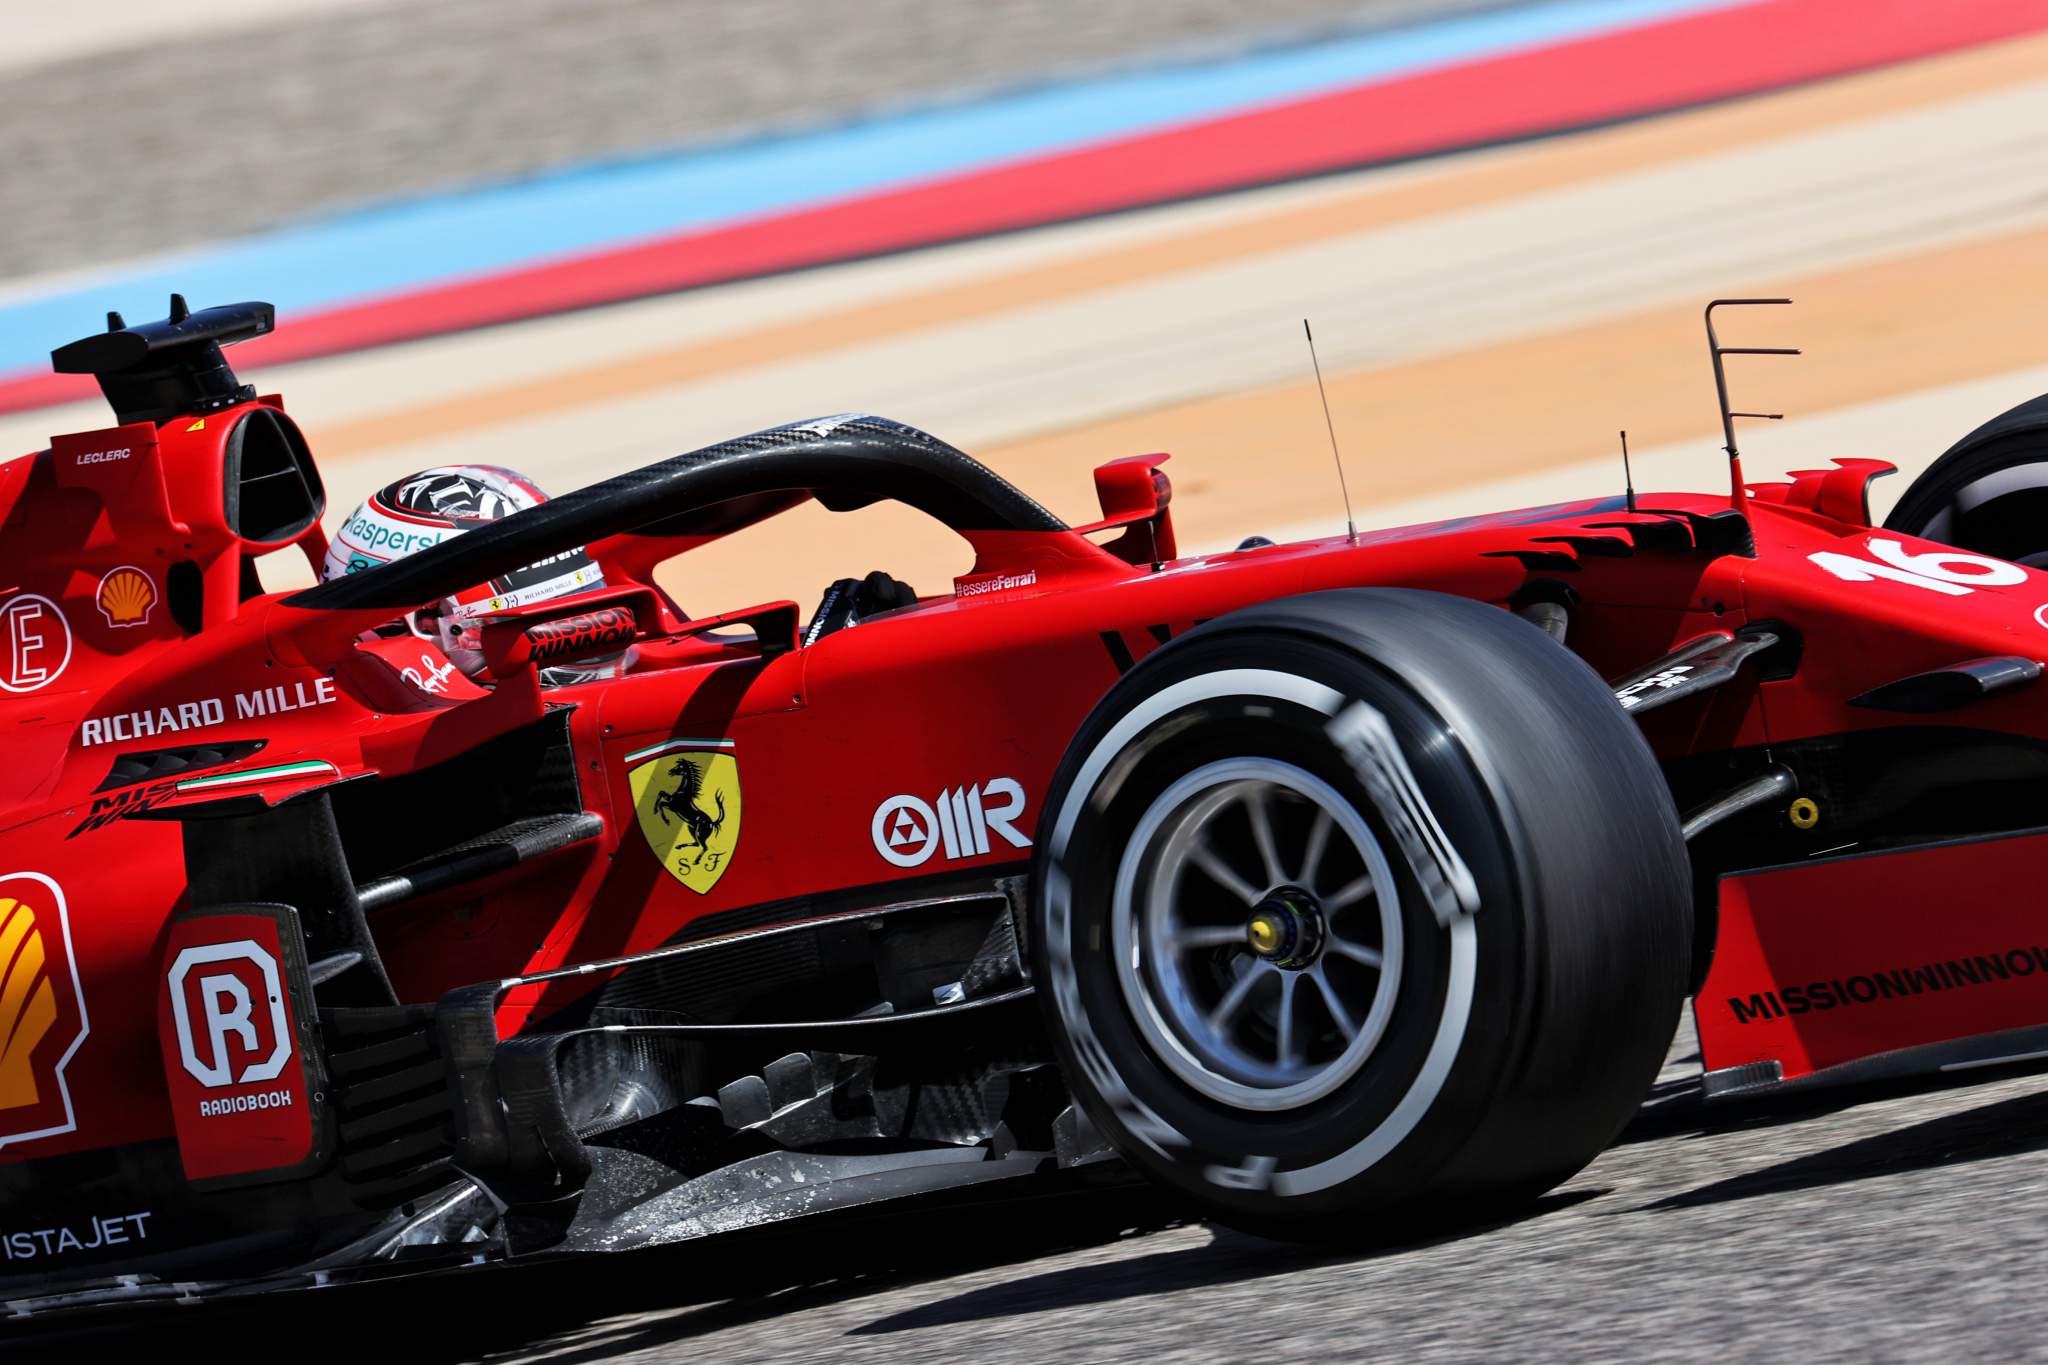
227, 1001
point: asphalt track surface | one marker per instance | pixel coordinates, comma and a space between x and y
1898, 1224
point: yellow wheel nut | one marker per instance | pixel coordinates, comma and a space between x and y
1264, 935
1803, 813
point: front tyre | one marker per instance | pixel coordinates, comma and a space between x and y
1988, 493
1360, 911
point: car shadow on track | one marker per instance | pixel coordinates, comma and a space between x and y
569, 1312
2003, 1128
1230, 1258
580, 1313
1676, 1108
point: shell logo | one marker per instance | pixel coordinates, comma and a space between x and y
126, 596
42, 1011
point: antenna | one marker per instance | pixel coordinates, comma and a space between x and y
1628, 478
1350, 526
1728, 416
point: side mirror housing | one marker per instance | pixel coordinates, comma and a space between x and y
1135, 493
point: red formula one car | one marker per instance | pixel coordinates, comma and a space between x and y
1327, 883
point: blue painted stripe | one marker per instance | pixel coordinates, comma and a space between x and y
396, 247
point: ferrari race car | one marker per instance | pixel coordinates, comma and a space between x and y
1344, 887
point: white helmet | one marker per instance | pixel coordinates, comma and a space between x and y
433, 505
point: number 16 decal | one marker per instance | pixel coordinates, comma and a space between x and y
1949, 572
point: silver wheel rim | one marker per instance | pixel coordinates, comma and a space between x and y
1237, 841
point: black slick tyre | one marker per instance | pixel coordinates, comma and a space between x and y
1988, 493
1360, 913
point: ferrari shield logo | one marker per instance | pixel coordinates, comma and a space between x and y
686, 796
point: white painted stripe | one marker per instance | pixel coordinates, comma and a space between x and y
40, 34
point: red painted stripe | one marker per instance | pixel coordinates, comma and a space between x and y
1629, 73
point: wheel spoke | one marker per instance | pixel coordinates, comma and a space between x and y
1357, 952
1288, 980
1338, 1014
1349, 895
1233, 999
1318, 840
1219, 872
1262, 835
1240, 878
1207, 936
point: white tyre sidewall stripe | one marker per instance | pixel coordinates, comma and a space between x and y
1464, 940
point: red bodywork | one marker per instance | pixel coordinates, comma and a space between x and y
918, 743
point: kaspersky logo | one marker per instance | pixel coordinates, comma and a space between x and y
42, 1009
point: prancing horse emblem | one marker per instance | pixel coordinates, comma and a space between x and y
681, 802
686, 796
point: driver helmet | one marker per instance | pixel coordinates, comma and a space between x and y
434, 505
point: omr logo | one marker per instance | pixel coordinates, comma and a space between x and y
234, 993
907, 830
42, 1009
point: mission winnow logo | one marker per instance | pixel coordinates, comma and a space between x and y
1982, 969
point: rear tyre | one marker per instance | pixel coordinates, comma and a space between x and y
1359, 913
1989, 492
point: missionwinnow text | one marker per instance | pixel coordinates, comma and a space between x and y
1840, 993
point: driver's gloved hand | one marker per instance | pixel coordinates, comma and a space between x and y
850, 601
